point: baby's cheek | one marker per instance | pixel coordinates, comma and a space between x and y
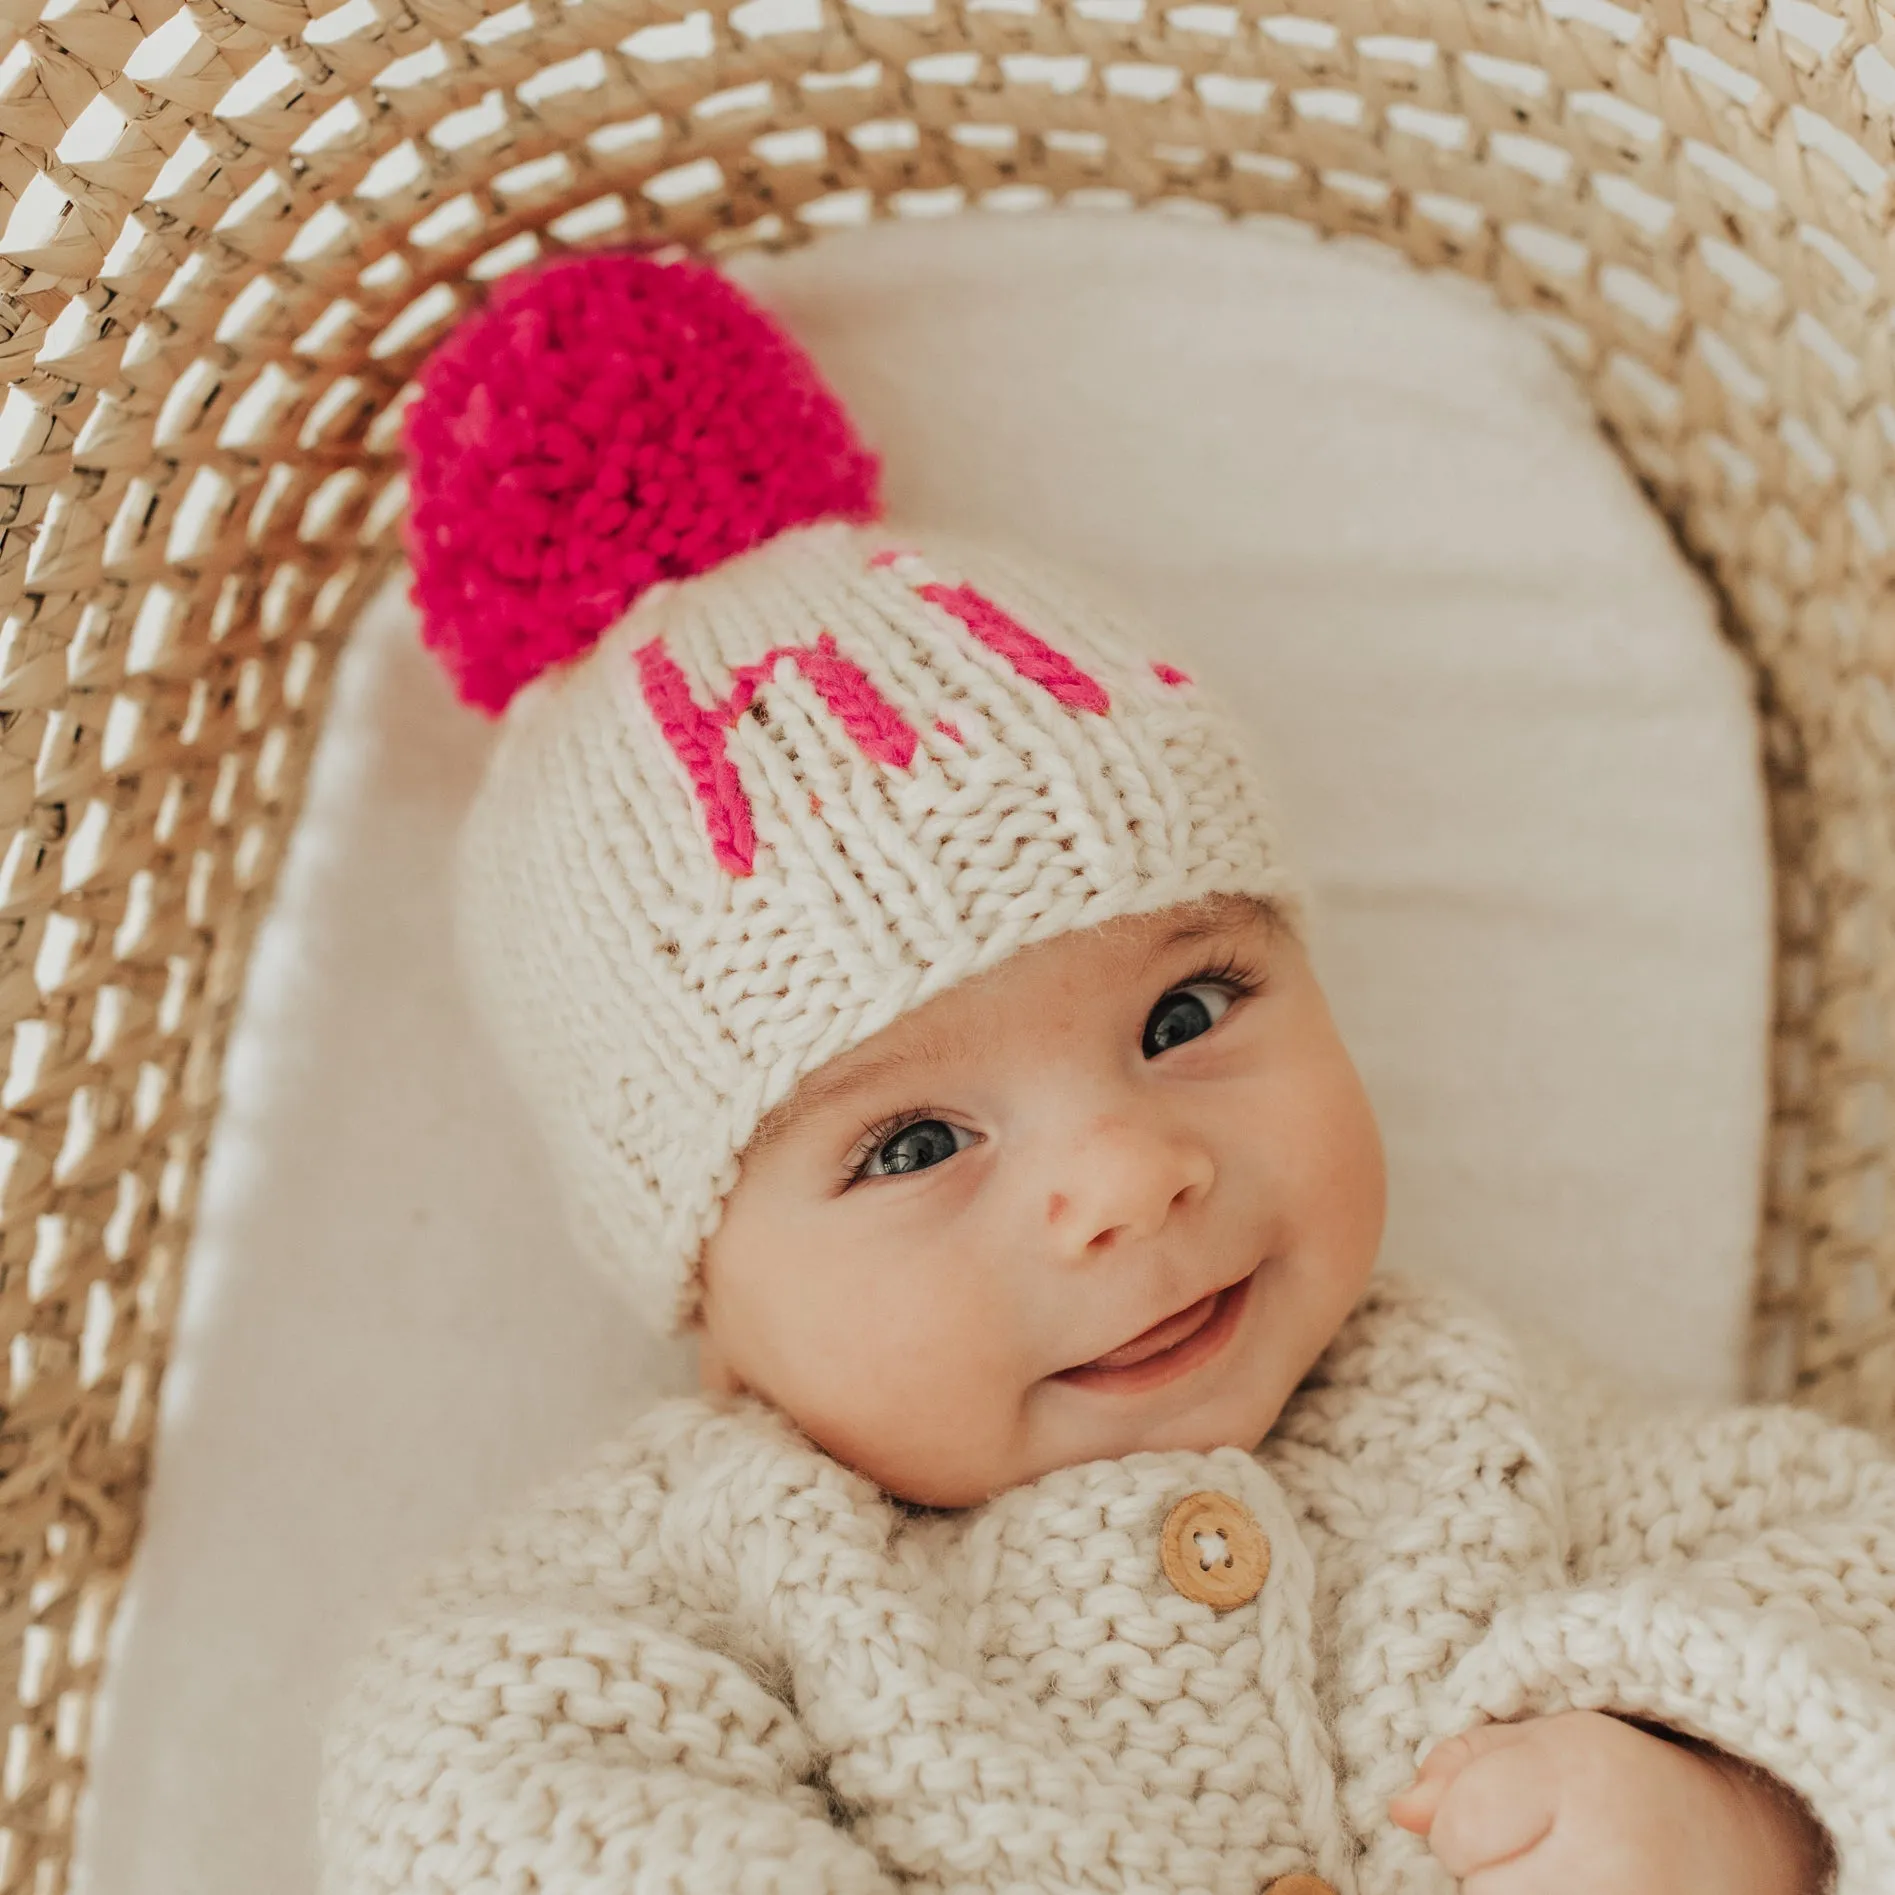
932, 1413
946, 1459
1346, 1170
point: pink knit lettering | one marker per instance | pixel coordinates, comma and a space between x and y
1029, 655
1170, 674
695, 731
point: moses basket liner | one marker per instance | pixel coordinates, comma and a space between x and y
230, 229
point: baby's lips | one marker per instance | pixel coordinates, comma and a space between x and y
1161, 1336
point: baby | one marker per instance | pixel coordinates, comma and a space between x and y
913, 991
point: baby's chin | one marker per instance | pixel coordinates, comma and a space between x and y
970, 1479
1239, 1422
1230, 1403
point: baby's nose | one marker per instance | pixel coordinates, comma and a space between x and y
1125, 1180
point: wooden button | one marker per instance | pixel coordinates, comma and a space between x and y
1215, 1553
1299, 1885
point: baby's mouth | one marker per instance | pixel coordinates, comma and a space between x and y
1159, 1337
1199, 1330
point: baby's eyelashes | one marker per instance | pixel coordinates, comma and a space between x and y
914, 1140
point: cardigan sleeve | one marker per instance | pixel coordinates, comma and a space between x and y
547, 1719
1731, 1577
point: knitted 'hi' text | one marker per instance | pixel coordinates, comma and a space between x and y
695, 731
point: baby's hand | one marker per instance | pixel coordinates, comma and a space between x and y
1584, 1804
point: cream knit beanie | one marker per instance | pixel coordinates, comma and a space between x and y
770, 774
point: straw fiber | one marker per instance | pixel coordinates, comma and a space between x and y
230, 228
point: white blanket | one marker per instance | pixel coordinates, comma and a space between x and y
1508, 741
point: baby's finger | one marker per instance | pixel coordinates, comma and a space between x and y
1497, 1806
1414, 1809
1449, 1758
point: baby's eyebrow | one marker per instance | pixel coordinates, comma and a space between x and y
824, 1089
1233, 914
828, 1088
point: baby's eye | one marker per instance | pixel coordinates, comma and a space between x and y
1183, 1014
917, 1145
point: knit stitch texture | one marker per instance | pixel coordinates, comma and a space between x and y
713, 1659
606, 422
787, 801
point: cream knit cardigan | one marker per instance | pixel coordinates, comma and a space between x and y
715, 1660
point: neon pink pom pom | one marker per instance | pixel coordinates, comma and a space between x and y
602, 424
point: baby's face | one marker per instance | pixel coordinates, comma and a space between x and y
1116, 1194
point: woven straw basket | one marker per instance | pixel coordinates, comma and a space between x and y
232, 228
